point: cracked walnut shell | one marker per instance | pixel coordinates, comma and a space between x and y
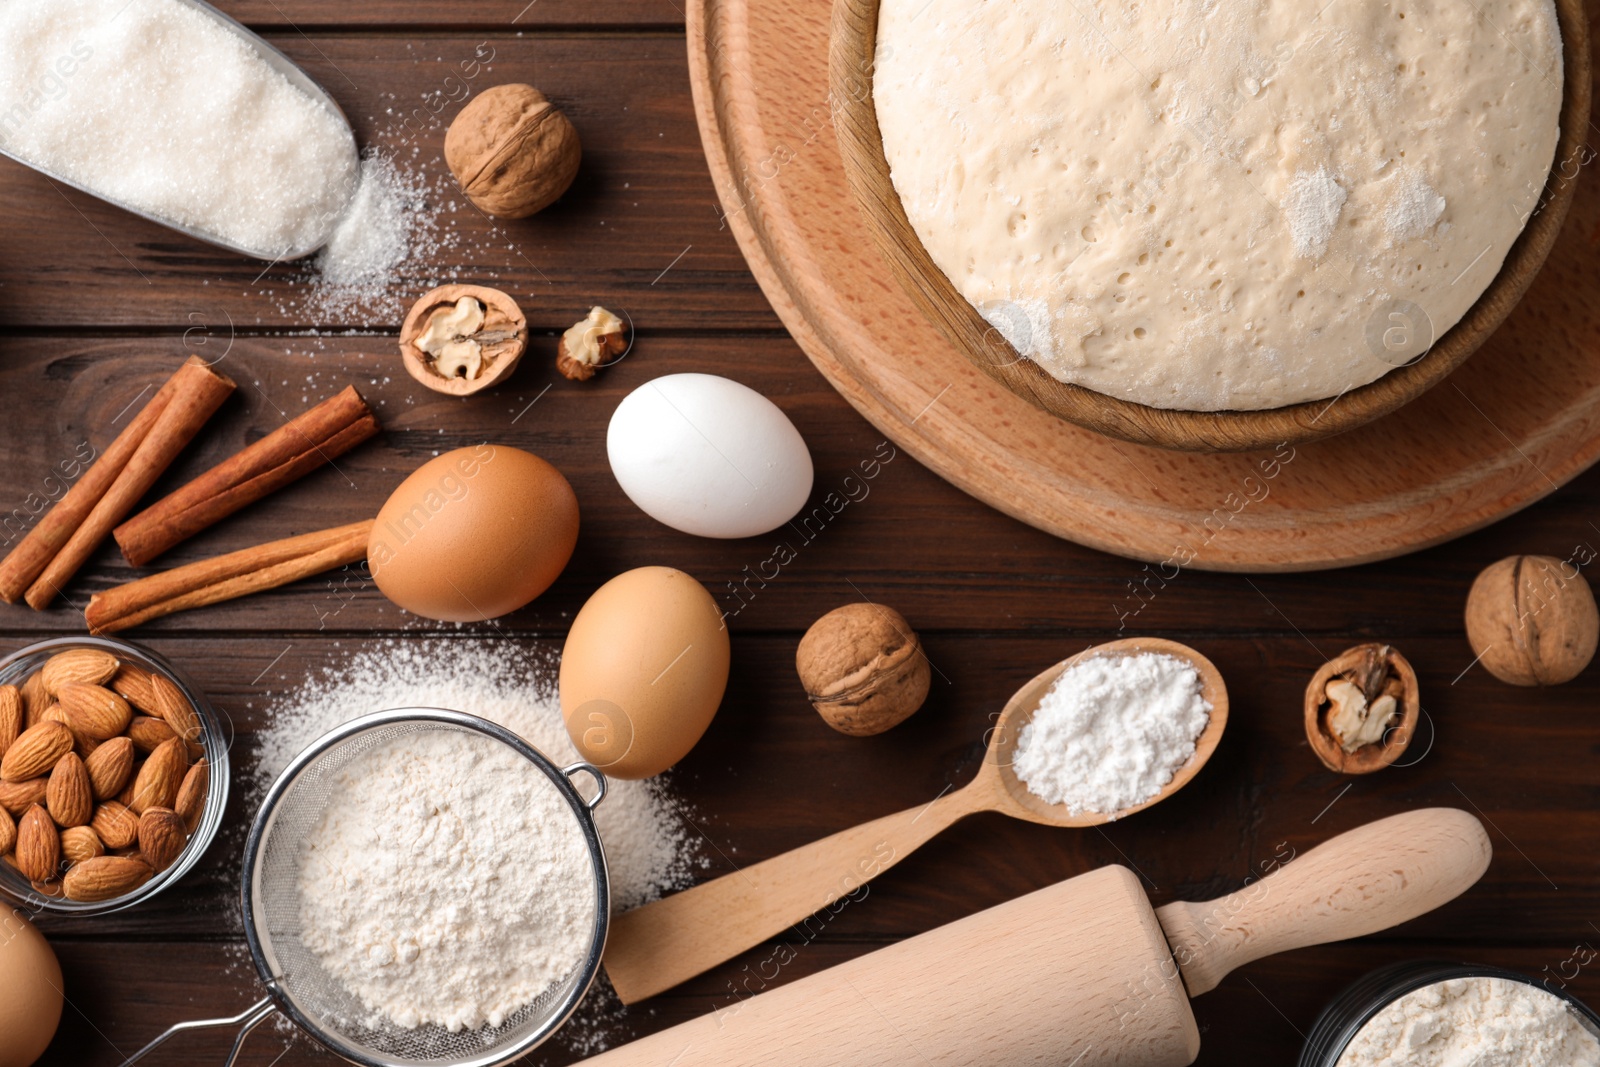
863, 668
513, 151
1531, 620
460, 339
1361, 709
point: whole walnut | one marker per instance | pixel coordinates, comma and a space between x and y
512, 151
863, 668
1532, 620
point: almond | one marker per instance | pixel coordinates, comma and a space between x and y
94, 710
68, 795
87, 666
35, 752
125, 797
110, 767
34, 698
38, 846
115, 825
161, 837
191, 802
133, 685
149, 733
105, 878
8, 832
81, 742
175, 708
79, 843
17, 797
13, 716
158, 781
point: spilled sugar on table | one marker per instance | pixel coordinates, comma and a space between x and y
96, 305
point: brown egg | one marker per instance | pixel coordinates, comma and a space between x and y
474, 534
643, 671
30, 991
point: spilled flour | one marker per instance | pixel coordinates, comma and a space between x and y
649, 847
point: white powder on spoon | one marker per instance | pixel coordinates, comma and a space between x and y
447, 882
158, 105
1112, 731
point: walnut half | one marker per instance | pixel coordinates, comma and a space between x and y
460, 339
1361, 709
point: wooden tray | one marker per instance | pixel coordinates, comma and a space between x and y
1515, 422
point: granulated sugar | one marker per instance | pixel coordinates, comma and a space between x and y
409, 229
1112, 731
376, 233
159, 106
649, 848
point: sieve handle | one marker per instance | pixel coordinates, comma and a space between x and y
593, 772
246, 1020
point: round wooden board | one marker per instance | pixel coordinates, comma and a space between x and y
1518, 420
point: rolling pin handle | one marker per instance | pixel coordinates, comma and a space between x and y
1365, 880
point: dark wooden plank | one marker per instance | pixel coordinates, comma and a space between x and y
1259, 1015
770, 776
640, 228
982, 571
85, 331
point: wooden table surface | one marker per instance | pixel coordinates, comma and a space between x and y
96, 305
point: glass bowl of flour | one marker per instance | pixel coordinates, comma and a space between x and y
1432, 1014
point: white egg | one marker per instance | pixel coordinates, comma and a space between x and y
708, 456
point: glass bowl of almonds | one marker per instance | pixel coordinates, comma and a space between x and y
113, 775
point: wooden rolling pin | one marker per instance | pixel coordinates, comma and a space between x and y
1083, 973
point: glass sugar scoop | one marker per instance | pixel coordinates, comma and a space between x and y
341, 185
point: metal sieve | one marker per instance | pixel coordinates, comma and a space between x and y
298, 986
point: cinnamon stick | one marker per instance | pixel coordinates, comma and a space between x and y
292, 451
197, 392
237, 574
24, 563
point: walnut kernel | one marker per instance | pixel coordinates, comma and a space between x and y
600, 338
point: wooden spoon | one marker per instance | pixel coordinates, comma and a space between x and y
655, 947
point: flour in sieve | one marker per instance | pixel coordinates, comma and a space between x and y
1112, 731
447, 882
649, 846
